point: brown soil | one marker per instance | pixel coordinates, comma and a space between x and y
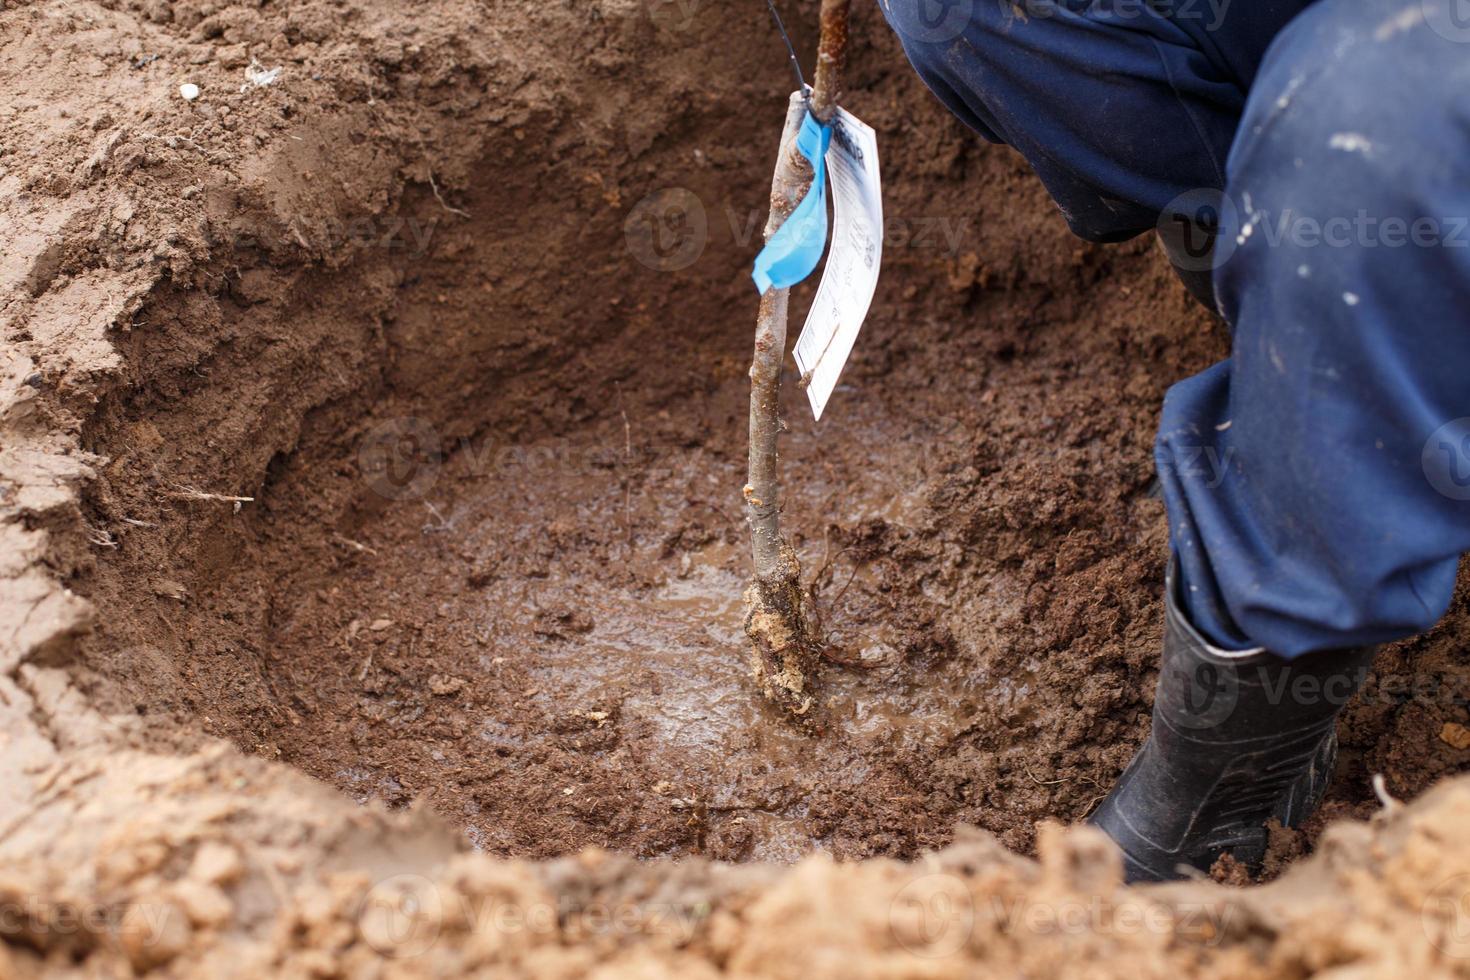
420, 301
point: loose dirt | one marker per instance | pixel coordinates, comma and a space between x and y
385, 420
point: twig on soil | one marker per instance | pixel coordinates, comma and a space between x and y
434, 186
354, 545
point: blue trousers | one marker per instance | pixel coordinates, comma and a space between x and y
1318, 482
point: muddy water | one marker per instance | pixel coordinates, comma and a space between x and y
542, 641
573, 624
683, 643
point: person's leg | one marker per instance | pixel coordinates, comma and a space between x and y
1316, 482
1120, 106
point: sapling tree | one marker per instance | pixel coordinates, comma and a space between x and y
780, 621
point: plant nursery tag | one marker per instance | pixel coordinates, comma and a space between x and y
851, 275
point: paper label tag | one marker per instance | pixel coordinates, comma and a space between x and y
851, 276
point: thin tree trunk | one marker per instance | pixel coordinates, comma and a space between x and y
763, 484
784, 646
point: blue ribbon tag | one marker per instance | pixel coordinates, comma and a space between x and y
797, 246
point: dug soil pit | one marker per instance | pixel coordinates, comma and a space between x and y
385, 417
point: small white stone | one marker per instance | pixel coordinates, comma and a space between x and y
189, 91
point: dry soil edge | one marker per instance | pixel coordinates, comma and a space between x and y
197, 878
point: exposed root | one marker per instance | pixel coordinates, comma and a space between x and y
99, 536
1385, 798
833, 655
434, 186
784, 646
183, 491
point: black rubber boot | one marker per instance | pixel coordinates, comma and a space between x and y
1238, 738
1191, 248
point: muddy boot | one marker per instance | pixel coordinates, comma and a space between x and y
1237, 739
